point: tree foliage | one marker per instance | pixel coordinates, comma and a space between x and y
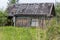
13, 1
3, 17
57, 9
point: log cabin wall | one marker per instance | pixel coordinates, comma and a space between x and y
22, 21
31, 21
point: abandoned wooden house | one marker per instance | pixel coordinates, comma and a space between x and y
31, 14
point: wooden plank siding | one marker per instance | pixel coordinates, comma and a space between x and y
22, 21
30, 21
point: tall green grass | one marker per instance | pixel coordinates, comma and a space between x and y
21, 33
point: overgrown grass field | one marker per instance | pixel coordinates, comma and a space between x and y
21, 33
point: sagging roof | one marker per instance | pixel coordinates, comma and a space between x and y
31, 9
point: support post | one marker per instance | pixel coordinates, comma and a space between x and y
14, 20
